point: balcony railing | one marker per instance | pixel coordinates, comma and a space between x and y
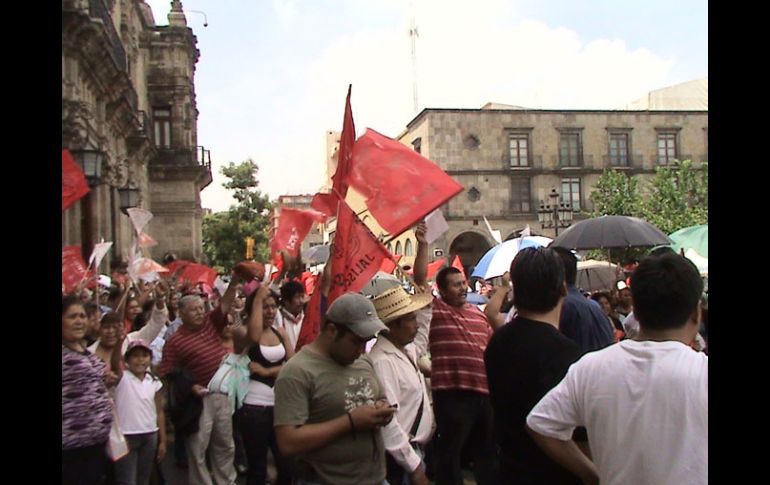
98, 9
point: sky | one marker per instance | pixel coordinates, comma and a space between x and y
272, 75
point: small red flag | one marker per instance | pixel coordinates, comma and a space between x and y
293, 226
192, 272
357, 254
311, 324
388, 265
73, 268
400, 185
345, 152
456, 263
325, 203
73, 181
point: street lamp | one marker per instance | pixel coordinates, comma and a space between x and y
129, 198
555, 214
90, 162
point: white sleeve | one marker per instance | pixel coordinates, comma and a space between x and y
424, 316
395, 438
558, 413
157, 321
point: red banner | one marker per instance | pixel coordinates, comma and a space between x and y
433, 268
192, 272
311, 324
73, 182
73, 268
293, 226
388, 265
456, 263
400, 185
356, 256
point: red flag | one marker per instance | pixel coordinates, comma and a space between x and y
73, 182
311, 324
400, 185
325, 203
357, 254
293, 226
73, 268
192, 272
388, 265
433, 268
456, 263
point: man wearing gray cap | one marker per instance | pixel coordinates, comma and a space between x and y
329, 404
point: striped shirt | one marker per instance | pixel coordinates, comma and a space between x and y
458, 338
198, 351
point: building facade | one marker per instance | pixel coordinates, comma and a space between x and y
128, 98
509, 161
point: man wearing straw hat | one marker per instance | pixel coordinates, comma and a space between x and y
395, 362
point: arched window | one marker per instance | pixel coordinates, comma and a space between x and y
408, 248
398, 247
390, 247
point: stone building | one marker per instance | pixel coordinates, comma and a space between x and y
510, 159
128, 99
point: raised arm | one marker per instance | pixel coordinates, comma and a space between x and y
256, 323
421, 256
492, 310
229, 296
158, 318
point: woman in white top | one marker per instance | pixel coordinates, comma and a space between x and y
140, 415
270, 348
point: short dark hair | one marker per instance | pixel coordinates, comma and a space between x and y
111, 317
250, 301
69, 300
665, 290
603, 294
570, 264
443, 276
290, 289
537, 275
91, 308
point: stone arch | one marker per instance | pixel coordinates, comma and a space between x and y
470, 246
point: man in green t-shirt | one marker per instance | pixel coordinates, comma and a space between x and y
329, 405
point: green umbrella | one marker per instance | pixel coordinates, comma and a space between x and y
695, 237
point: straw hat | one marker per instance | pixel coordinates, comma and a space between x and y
396, 302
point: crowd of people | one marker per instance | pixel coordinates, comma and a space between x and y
404, 384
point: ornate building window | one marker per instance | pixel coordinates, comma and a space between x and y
520, 195
667, 146
619, 149
161, 120
570, 149
398, 247
408, 249
570, 193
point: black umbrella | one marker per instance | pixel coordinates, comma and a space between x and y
316, 255
607, 232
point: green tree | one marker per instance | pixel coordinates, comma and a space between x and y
225, 233
678, 196
616, 194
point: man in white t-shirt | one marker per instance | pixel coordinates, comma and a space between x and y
644, 402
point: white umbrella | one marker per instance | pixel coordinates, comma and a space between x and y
497, 260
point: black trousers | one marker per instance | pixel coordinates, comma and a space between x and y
84, 466
255, 424
464, 427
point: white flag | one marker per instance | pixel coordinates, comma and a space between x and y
220, 285
97, 255
436, 226
139, 217
495, 234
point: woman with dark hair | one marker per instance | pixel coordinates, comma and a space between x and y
604, 299
86, 407
269, 350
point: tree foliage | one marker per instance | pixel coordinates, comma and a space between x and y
675, 198
225, 233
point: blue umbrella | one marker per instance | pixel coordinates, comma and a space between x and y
497, 260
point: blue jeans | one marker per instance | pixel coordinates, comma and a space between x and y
136, 467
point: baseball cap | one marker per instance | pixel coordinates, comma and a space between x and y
356, 312
134, 344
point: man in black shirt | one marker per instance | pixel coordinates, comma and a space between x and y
524, 360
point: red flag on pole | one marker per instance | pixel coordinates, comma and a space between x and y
400, 185
73, 181
388, 265
357, 254
192, 272
456, 263
433, 268
293, 226
311, 324
73, 268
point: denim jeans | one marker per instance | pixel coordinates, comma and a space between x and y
464, 424
256, 426
136, 467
